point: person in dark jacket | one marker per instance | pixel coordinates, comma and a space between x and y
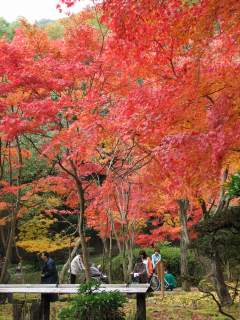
49, 276
139, 273
49, 271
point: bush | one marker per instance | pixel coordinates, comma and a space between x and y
117, 269
90, 304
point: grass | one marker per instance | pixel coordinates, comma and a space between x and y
176, 305
188, 306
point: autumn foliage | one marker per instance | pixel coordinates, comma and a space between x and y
136, 106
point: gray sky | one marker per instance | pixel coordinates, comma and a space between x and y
34, 9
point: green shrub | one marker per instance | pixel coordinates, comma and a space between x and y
233, 186
90, 304
117, 269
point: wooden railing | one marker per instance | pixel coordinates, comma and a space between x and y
139, 289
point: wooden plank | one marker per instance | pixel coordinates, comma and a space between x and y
37, 285
70, 289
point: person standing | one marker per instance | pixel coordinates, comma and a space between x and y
139, 273
49, 276
76, 268
49, 271
19, 272
148, 263
156, 257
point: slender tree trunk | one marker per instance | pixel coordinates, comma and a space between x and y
216, 265
124, 263
81, 222
81, 229
110, 258
218, 280
130, 261
213, 265
184, 243
122, 254
105, 252
9, 245
15, 209
3, 238
129, 243
67, 264
214, 272
121, 248
107, 257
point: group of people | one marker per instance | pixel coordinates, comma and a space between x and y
146, 266
143, 270
76, 269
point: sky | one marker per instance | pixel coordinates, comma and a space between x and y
34, 10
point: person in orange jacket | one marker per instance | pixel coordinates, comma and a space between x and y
147, 261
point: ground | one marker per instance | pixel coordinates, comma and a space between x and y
176, 305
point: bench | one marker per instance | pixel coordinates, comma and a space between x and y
139, 289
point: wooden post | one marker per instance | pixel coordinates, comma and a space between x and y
160, 274
141, 306
162, 278
45, 307
35, 311
17, 309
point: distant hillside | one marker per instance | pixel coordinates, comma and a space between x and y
7, 29
44, 22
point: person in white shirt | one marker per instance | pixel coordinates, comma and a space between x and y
76, 268
156, 257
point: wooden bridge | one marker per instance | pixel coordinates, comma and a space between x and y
139, 289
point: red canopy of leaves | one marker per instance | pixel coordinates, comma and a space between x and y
149, 99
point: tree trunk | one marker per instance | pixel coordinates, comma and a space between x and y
129, 243
121, 249
184, 243
205, 263
228, 270
15, 209
218, 280
9, 246
124, 264
84, 254
110, 259
104, 253
3, 238
67, 264
81, 230
214, 272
